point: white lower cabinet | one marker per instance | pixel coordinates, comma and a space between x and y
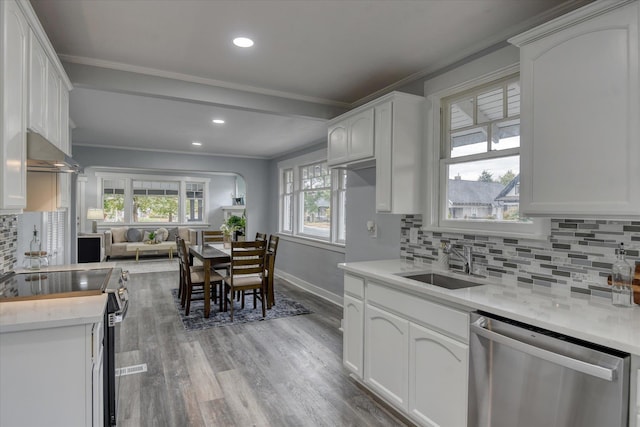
386, 363
411, 351
438, 368
47, 376
353, 340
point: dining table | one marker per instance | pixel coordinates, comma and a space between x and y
209, 255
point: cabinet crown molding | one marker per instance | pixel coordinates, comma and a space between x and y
569, 20
370, 104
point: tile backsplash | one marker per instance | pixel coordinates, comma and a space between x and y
578, 253
8, 242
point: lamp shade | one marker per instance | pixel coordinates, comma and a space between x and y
95, 214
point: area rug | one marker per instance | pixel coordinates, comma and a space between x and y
195, 321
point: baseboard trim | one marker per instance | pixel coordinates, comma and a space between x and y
310, 287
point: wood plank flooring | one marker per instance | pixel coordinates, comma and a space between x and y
281, 372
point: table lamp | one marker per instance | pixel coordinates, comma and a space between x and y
95, 214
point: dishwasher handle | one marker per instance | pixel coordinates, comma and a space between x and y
550, 356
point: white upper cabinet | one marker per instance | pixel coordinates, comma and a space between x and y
398, 139
580, 108
389, 131
14, 39
37, 86
351, 139
34, 90
53, 106
65, 179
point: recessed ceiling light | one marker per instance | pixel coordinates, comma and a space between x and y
243, 42
196, 143
218, 121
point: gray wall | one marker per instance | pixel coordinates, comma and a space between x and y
361, 207
318, 266
254, 172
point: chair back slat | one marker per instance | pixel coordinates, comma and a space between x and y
273, 244
261, 236
212, 236
248, 257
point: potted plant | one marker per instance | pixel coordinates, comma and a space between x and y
235, 224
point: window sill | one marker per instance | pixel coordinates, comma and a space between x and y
542, 234
321, 244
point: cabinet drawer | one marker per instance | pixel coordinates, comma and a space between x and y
449, 321
354, 286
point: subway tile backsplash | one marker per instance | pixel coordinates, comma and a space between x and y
8, 242
578, 253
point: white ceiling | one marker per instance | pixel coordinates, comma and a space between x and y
312, 59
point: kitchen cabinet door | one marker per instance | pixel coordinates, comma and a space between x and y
14, 39
386, 355
398, 138
65, 145
438, 371
384, 154
361, 144
37, 86
53, 106
351, 140
353, 335
580, 109
47, 377
338, 149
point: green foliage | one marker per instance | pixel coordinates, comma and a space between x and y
507, 177
154, 208
485, 176
311, 199
235, 222
112, 205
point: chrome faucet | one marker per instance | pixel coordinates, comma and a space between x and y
466, 256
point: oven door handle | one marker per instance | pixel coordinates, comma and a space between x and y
550, 356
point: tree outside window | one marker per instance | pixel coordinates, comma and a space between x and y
155, 201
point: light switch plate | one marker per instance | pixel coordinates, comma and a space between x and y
413, 236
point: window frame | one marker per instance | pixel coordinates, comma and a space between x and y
128, 196
295, 166
435, 170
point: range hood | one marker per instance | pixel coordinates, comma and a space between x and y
43, 156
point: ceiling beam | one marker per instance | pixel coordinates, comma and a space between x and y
111, 80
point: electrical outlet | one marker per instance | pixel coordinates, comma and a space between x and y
413, 236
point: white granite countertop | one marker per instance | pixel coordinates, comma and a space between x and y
18, 316
588, 318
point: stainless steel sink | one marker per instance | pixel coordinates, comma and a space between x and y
442, 281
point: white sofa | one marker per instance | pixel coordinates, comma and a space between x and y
117, 238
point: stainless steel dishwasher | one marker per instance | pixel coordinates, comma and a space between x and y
524, 376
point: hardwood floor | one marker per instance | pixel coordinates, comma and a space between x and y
281, 372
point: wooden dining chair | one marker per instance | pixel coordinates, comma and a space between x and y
194, 278
246, 273
261, 236
212, 236
180, 261
269, 270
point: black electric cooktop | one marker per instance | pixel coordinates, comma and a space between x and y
53, 284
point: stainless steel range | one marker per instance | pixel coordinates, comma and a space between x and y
47, 284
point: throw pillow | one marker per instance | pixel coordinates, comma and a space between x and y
173, 233
134, 235
162, 234
119, 234
146, 237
